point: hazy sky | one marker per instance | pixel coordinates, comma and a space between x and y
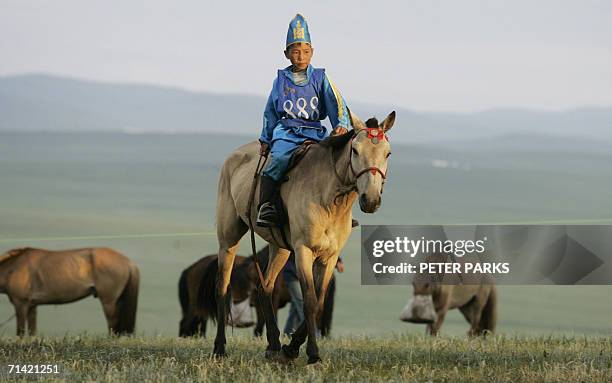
424, 55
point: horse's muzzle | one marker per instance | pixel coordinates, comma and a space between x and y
369, 205
420, 309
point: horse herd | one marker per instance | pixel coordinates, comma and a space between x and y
340, 170
33, 277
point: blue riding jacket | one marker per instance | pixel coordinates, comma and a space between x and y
297, 110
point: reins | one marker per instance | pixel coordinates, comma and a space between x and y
256, 176
352, 185
248, 214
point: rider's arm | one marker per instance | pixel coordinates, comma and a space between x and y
335, 104
270, 117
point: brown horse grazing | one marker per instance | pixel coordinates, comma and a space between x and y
33, 277
197, 291
318, 197
430, 302
197, 295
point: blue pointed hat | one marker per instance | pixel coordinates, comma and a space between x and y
298, 31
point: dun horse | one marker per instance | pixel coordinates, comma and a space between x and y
319, 198
473, 294
33, 277
431, 302
197, 295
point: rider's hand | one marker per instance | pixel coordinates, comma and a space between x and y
339, 130
264, 149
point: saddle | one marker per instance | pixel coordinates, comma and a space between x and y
299, 153
282, 216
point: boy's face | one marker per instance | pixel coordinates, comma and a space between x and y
299, 54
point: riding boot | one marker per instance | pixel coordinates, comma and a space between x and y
266, 216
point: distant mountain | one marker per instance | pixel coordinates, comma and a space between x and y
50, 103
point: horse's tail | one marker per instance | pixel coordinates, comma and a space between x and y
328, 308
128, 303
183, 291
207, 291
488, 320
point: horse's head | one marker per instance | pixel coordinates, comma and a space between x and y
243, 284
420, 308
370, 150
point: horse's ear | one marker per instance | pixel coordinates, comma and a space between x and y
356, 121
387, 124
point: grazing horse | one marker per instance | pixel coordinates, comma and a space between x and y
197, 295
475, 296
431, 302
33, 277
318, 197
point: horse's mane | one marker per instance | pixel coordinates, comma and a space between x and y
337, 142
340, 141
12, 254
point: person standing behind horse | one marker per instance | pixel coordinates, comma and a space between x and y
301, 97
296, 308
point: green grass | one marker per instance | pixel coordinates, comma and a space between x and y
392, 358
70, 185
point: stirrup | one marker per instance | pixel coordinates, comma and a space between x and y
266, 216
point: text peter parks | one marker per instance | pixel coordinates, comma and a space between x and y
477, 254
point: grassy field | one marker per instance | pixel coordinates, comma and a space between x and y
63, 191
398, 358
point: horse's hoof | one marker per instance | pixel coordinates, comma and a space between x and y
219, 352
272, 354
290, 353
314, 360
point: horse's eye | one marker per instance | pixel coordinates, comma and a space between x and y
388, 154
355, 151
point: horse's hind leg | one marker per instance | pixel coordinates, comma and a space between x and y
111, 313
201, 327
258, 331
189, 325
276, 262
472, 313
230, 229
32, 320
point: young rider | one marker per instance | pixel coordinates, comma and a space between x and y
301, 97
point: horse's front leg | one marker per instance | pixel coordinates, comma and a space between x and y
304, 261
276, 262
292, 350
225, 265
328, 273
21, 312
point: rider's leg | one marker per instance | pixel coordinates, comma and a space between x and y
271, 178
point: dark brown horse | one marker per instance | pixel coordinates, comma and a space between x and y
194, 295
33, 277
197, 286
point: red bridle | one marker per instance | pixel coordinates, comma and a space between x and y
376, 135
